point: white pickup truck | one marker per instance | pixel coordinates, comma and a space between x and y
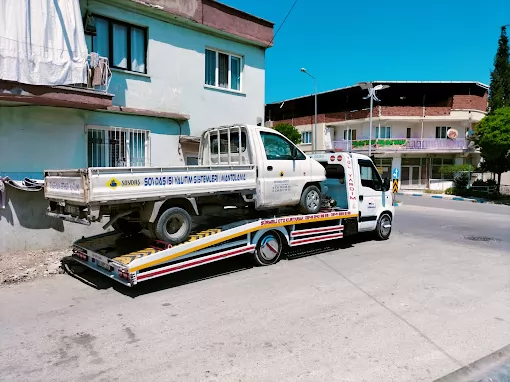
241, 166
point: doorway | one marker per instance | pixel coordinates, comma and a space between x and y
411, 175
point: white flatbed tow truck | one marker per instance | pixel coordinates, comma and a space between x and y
357, 200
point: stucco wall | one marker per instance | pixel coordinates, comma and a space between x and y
24, 225
176, 75
34, 139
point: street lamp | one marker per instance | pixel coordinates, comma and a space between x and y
314, 146
371, 94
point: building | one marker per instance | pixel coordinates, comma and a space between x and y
413, 124
117, 83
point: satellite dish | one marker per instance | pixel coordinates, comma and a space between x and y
452, 133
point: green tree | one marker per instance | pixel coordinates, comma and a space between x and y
289, 131
492, 136
499, 93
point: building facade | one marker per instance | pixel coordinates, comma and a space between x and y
417, 127
156, 74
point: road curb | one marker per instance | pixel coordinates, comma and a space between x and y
446, 197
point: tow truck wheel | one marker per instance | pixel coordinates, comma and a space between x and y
383, 228
173, 225
310, 200
126, 227
268, 249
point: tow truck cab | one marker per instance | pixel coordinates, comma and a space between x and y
353, 183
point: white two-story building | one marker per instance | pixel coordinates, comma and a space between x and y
417, 127
116, 83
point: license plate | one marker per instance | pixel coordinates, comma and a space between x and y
103, 265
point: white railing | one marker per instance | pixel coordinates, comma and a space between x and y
397, 144
99, 74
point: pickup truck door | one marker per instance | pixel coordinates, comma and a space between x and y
370, 194
282, 173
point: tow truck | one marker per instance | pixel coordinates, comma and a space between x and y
355, 199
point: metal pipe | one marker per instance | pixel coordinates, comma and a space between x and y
315, 119
370, 128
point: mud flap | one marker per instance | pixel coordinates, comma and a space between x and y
350, 226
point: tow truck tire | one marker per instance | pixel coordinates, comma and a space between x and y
383, 228
310, 202
126, 227
173, 225
268, 249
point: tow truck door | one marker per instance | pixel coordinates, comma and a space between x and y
370, 194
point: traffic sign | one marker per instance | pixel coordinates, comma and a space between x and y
395, 173
395, 186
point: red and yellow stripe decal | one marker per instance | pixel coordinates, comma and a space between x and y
271, 223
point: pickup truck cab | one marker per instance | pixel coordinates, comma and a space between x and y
241, 165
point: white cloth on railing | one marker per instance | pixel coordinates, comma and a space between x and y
42, 42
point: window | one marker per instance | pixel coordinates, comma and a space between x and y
408, 133
123, 44
383, 132
437, 163
306, 137
191, 160
369, 176
441, 132
116, 147
234, 142
223, 70
384, 166
350, 135
278, 148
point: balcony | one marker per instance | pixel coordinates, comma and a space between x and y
404, 144
99, 74
92, 95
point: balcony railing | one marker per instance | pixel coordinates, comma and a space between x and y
99, 74
405, 144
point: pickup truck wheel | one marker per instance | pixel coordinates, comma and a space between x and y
310, 200
268, 249
383, 228
126, 227
173, 225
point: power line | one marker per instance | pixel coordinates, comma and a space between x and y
283, 22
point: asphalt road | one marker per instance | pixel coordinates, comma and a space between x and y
414, 308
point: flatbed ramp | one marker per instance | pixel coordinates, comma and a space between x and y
131, 259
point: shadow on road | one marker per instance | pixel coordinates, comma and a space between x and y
208, 271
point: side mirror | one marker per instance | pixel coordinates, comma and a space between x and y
386, 184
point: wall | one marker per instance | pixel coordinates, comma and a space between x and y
399, 128
34, 139
37, 138
176, 75
24, 225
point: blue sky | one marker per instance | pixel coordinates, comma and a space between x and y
344, 42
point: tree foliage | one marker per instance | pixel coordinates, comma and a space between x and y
499, 93
289, 131
492, 137
449, 171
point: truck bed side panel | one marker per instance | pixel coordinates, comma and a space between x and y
110, 186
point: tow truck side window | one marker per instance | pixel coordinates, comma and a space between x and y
278, 148
369, 176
